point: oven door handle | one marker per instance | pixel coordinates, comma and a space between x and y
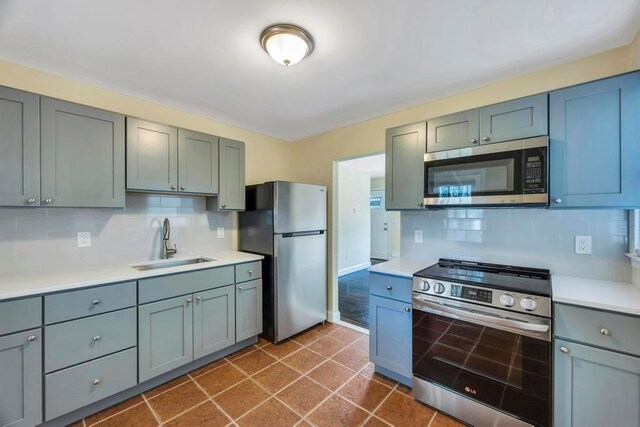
477, 316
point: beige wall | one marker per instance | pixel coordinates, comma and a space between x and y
315, 156
634, 54
268, 158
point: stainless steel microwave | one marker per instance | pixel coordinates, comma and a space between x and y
514, 173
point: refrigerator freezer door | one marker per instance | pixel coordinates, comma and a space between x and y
300, 207
301, 282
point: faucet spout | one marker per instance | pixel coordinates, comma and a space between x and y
167, 252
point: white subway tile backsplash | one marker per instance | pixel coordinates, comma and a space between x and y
45, 239
532, 237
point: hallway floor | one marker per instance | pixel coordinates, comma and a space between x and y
321, 377
353, 296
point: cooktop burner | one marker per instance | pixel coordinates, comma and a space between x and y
534, 281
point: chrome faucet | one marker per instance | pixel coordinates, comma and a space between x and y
167, 252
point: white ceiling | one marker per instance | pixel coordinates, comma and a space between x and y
371, 165
371, 57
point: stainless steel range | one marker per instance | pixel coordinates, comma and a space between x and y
482, 342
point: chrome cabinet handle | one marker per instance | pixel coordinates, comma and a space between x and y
485, 138
31, 200
420, 204
407, 309
473, 141
174, 187
188, 301
32, 338
182, 187
198, 299
389, 288
605, 331
558, 200
250, 272
97, 338
224, 205
96, 302
48, 200
564, 349
239, 288
96, 381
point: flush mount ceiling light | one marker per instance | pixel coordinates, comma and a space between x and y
286, 44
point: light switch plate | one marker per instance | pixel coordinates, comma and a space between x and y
417, 236
220, 232
583, 245
84, 239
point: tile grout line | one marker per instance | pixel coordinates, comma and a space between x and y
110, 416
210, 398
153, 412
380, 405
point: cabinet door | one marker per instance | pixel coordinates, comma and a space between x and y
453, 131
21, 379
20, 142
390, 335
594, 149
595, 387
248, 309
404, 179
231, 196
516, 119
82, 161
165, 336
197, 162
152, 156
214, 321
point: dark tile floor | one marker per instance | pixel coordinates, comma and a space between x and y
321, 377
353, 296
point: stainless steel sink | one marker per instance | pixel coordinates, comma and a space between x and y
167, 264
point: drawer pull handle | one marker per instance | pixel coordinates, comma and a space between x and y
96, 381
407, 309
97, 338
389, 288
96, 302
198, 299
32, 338
239, 288
564, 349
605, 331
188, 301
250, 272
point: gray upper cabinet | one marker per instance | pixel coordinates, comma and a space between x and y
232, 181
152, 156
516, 119
214, 315
404, 180
595, 387
456, 130
197, 162
21, 379
82, 156
20, 144
248, 309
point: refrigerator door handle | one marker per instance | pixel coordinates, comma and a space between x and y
302, 233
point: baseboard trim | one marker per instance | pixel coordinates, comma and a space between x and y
333, 316
353, 269
351, 326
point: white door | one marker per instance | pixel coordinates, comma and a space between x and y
379, 226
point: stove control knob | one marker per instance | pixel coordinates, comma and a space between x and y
438, 288
424, 286
507, 300
528, 304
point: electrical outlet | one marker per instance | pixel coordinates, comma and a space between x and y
583, 245
220, 232
84, 239
417, 236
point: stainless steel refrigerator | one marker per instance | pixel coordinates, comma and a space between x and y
287, 222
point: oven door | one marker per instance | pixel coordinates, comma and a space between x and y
498, 358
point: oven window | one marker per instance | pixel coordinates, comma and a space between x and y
505, 370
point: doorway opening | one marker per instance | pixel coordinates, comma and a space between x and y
367, 234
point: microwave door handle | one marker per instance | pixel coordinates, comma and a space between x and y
487, 319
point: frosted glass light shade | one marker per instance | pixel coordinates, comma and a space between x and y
286, 44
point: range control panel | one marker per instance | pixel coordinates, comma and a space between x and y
473, 294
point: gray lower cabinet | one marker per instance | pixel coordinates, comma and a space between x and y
231, 195
197, 162
165, 336
456, 130
405, 147
214, 326
82, 156
152, 156
595, 387
248, 309
20, 142
21, 379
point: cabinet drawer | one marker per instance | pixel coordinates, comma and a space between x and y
73, 388
601, 328
248, 271
87, 302
394, 287
80, 340
20, 314
175, 285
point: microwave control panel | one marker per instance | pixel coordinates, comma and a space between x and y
535, 174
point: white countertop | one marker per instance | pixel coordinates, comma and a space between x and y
601, 294
27, 284
404, 267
